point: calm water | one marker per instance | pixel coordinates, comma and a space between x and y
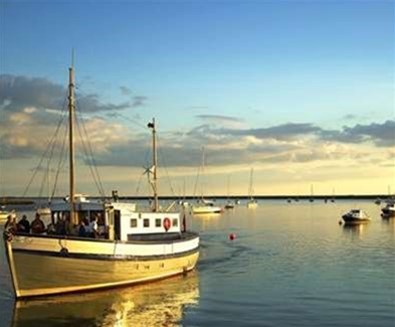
290, 265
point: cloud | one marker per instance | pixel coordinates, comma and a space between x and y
224, 121
382, 135
21, 92
280, 132
349, 117
125, 90
138, 101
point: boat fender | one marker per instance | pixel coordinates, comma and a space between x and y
166, 224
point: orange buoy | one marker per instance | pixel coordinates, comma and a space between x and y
232, 236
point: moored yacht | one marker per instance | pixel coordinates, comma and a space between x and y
389, 210
206, 207
229, 205
251, 203
356, 216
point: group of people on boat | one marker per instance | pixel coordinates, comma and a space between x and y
63, 226
24, 226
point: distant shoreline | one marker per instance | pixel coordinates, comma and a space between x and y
32, 200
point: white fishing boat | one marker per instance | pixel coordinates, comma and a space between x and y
127, 247
251, 203
356, 216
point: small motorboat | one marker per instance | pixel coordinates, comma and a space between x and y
388, 211
229, 205
356, 216
206, 207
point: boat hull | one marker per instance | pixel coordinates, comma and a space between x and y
206, 210
252, 205
40, 273
387, 212
353, 220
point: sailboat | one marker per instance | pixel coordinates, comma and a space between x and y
184, 203
205, 206
251, 204
311, 199
229, 204
135, 247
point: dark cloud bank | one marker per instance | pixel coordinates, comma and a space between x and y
19, 92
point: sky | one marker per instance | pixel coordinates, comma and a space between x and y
300, 91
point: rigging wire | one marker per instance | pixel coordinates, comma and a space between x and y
196, 182
87, 148
138, 185
84, 148
61, 163
47, 149
117, 114
167, 172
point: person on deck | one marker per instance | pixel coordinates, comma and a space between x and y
10, 226
82, 232
37, 226
23, 225
92, 230
60, 226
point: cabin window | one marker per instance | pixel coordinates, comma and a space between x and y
133, 223
158, 222
175, 222
146, 222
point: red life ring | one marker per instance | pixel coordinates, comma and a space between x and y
166, 224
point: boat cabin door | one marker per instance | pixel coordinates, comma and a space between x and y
110, 222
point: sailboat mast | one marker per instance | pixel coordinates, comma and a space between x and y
203, 171
73, 217
251, 190
155, 164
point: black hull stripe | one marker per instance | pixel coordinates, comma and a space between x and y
106, 257
185, 236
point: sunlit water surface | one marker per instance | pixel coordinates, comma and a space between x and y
290, 265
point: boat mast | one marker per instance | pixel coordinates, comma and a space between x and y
203, 171
154, 162
251, 191
73, 217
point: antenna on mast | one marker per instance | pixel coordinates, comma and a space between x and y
72, 57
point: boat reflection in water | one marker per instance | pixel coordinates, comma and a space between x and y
357, 230
153, 304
